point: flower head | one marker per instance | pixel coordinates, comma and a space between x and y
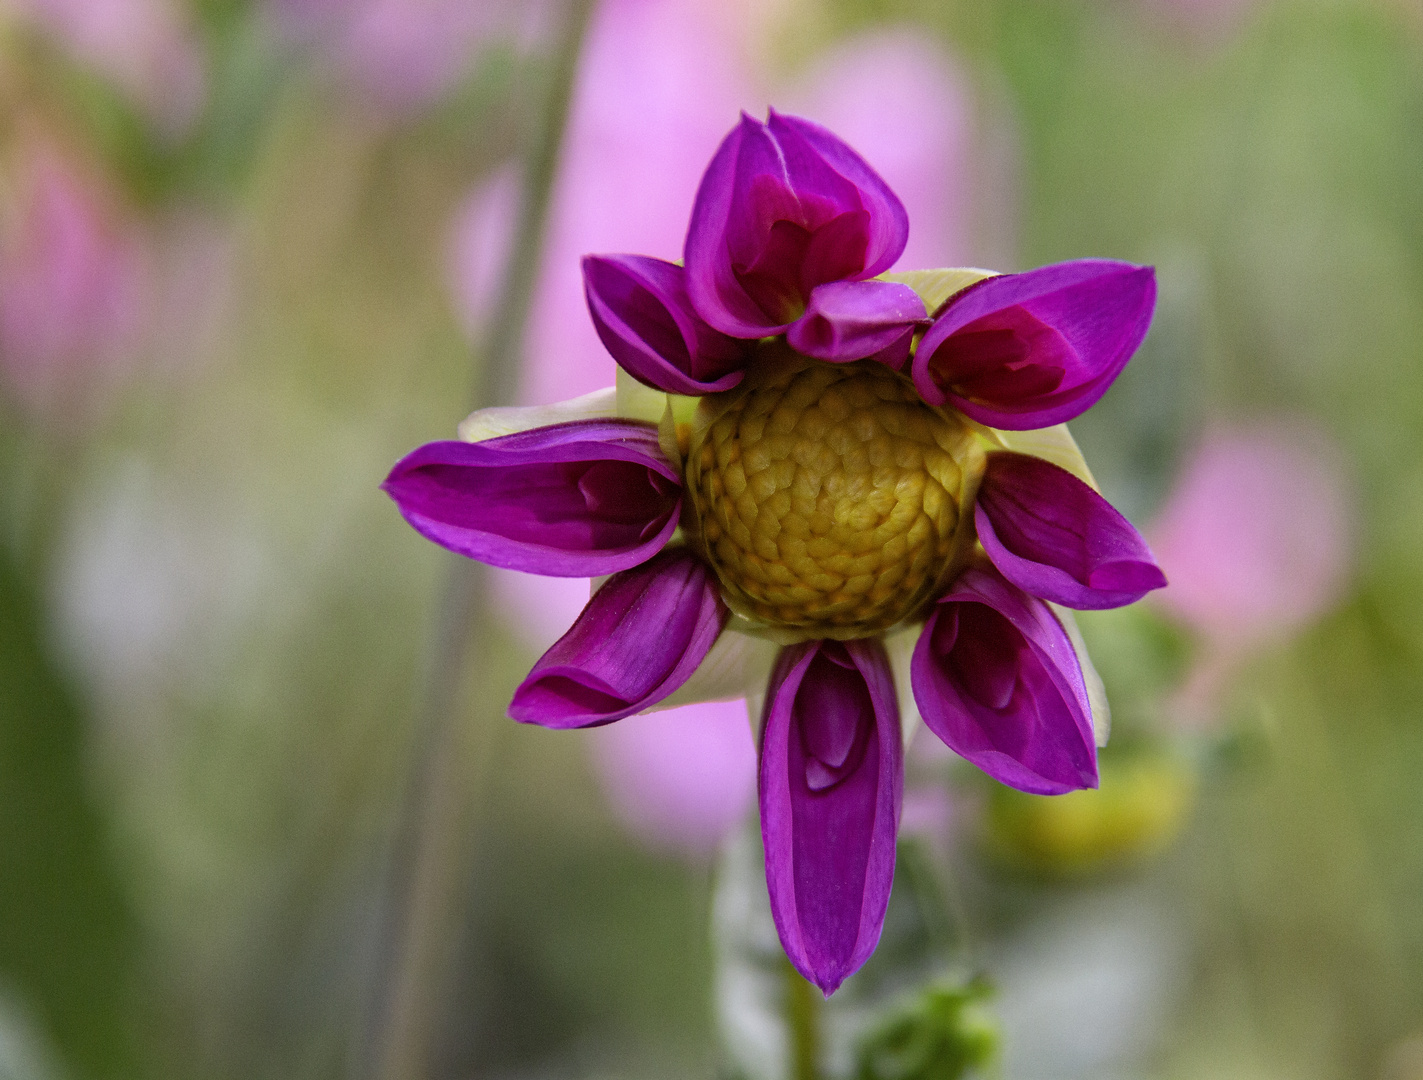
792, 498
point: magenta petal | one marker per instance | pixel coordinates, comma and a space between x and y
644, 318
640, 638
831, 781
570, 500
888, 220
996, 678
783, 207
850, 320
1024, 351
715, 293
1054, 537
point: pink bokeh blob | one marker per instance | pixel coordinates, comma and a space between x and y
147, 47
679, 780
1256, 538
75, 287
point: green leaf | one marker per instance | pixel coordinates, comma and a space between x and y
68, 939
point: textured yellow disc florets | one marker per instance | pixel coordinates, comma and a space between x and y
829, 497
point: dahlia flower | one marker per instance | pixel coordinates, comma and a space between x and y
844, 492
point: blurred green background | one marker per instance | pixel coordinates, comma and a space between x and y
252, 251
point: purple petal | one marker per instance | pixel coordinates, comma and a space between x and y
831, 781
640, 638
1024, 351
850, 320
640, 308
996, 678
889, 222
569, 500
783, 207
1054, 537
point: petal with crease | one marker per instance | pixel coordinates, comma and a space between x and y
1054, 537
889, 221
572, 500
1030, 350
996, 677
831, 783
640, 638
784, 207
850, 320
642, 314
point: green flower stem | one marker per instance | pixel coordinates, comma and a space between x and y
802, 1026
431, 845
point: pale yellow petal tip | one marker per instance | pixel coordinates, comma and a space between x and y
636, 401
509, 419
936, 286
899, 644
1054, 444
738, 665
1096, 691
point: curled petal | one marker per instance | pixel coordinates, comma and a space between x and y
641, 311
850, 320
831, 781
810, 148
572, 500
783, 207
640, 637
1054, 537
1030, 350
996, 677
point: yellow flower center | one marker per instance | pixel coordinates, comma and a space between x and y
830, 499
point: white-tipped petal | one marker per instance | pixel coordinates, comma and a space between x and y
1096, 692
637, 401
508, 419
738, 665
899, 644
936, 286
1054, 444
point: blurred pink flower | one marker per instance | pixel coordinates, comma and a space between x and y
679, 780
1205, 19
928, 811
147, 47
406, 53
657, 86
1256, 540
1256, 536
75, 288
901, 102
657, 82
480, 244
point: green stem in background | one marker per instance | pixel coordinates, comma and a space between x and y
431, 847
802, 1026
940, 904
